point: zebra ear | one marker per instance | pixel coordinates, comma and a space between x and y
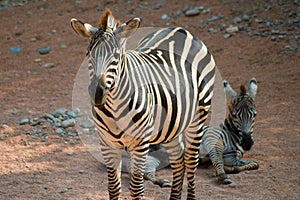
252, 88
228, 90
128, 28
83, 29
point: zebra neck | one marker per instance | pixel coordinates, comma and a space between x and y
232, 130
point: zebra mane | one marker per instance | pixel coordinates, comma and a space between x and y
108, 21
243, 90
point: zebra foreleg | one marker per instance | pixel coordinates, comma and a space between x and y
112, 158
138, 159
175, 150
216, 156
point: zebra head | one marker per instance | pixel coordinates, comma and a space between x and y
242, 112
104, 53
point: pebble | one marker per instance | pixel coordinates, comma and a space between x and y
68, 123
60, 131
164, 17
227, 35
232, 29
59, 111
212, 30
24, 121
273, 38
213, 18
14, 112
71, 114
48, 65
44, 137
236, 20
246, 17
15, 49
192, 12
64, 190
157, 6
44, 50
38, 60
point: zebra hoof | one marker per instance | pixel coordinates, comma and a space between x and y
164, 183
255, 165
225, 180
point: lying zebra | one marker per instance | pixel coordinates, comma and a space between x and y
224, 145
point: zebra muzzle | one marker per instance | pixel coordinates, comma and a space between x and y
247, 141
98, 91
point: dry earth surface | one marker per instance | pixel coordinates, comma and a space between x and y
38, 163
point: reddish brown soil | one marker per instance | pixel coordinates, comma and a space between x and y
62, 168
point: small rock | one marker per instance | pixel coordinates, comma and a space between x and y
212, 30
57, 123
24, 121
164, 17
192, 12
264, 34
44, 137
227, 35
14, 112
273, 38
71, 114
68, 123
48, 65
232, 29
60, 131
222, 27
176, 14
236, 20
15, 49
232, 184
64, 190
157, 6
70, 133
246, 17
213, 18
38, 60
258, 20
59, 111
44, 50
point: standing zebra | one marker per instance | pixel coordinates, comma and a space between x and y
158, 93
225, 145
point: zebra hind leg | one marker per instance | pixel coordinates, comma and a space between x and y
243, 166
151, 164
191, 159
175, 150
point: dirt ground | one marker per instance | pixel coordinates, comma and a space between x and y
60, 167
